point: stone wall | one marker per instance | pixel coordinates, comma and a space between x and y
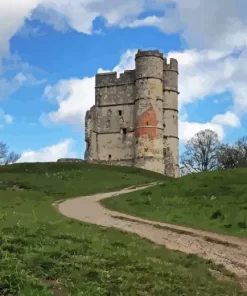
70, 160
134, 121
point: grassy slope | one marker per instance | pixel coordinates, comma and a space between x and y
215, 201
43, 253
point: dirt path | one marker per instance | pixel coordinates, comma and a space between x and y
230, 251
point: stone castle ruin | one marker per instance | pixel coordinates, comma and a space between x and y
134, 121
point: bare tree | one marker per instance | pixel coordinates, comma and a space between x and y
241, 144
182, 171
233, 156
228, 156
7, 157
201, 152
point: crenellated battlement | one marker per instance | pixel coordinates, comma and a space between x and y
111, 79
172, 66
149, 53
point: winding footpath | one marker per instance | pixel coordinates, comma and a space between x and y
227, 250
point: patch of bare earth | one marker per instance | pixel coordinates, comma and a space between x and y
227, 250
57, 288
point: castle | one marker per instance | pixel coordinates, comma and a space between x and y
134, 121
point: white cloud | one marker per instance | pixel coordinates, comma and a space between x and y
5, 118
206, 73
188, 129
127, 61
202, 23
8, 118
49, 153
190, 18
79, 15
12, 17
9, 86
20, 78
218, 124
28, 31
227, 119
75, 96
61, 14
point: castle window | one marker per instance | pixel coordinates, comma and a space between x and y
124, 131
147, 122
119, 112
107, 125
165, 150
109, 156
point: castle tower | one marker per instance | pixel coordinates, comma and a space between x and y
170, 118
148, 111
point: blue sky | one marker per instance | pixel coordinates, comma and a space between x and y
50, 52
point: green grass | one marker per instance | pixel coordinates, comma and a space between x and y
43, 253
215, 201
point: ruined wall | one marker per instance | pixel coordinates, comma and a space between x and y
91, 152
114, 123
115, 137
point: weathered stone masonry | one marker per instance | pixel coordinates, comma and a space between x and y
134, 121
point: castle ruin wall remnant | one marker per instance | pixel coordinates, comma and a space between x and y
134, 121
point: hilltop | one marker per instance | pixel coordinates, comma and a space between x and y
214, 201
43, 253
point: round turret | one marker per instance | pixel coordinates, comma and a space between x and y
149, 111
170, 118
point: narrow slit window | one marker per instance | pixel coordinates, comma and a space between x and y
124, 131
109, 156
120, 112
147, 122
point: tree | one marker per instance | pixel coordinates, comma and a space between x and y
228, 156
233, 156
7, 157
201, 152
183, 171
241, 145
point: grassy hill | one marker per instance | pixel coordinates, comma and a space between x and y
43, 253
215, 201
